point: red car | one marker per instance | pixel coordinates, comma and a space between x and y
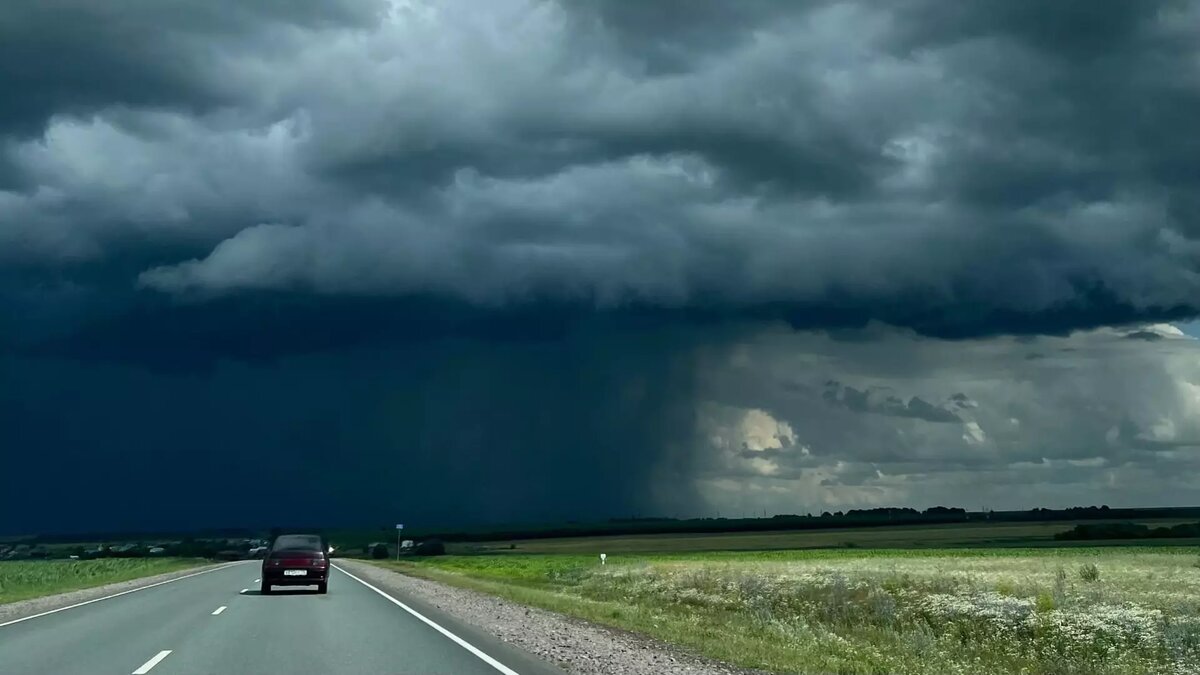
296, 560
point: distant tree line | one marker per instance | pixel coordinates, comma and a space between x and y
211, 543
1089, 531
218, 549
853, 518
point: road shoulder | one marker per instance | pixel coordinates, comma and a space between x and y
466, 627
574, 645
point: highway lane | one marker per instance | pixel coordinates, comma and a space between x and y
180, 628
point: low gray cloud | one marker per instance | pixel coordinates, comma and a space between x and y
1111, 420
883, 401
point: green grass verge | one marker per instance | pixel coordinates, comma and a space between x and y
22, 580
1078, 610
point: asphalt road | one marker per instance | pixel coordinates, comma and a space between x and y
180, 628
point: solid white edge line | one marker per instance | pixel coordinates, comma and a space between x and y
429, 622
152, 662
218, 610
115, 595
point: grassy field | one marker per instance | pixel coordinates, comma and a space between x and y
917, 536
1037, 610
21, 580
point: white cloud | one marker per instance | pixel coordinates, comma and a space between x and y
972, 434
760, 431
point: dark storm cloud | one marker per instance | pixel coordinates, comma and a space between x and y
446, 432
586, 196
74, 57
970, 170
669, 36
263, 328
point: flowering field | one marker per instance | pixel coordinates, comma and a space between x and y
1109, 610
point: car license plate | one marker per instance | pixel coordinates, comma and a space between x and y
295, 573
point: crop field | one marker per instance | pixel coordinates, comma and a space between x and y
1033, 610
916, 536
21, 580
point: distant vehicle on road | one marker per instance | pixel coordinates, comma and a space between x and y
296, 560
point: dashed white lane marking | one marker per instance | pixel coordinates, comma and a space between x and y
218, 610
152, 662
429, 622
244, 590
114, 595
257, 580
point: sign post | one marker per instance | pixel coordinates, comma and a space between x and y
399, 529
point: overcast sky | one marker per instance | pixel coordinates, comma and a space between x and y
356, 261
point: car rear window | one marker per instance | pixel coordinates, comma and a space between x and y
298, 542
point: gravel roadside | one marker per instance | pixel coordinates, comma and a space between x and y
23, 608
573, 644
